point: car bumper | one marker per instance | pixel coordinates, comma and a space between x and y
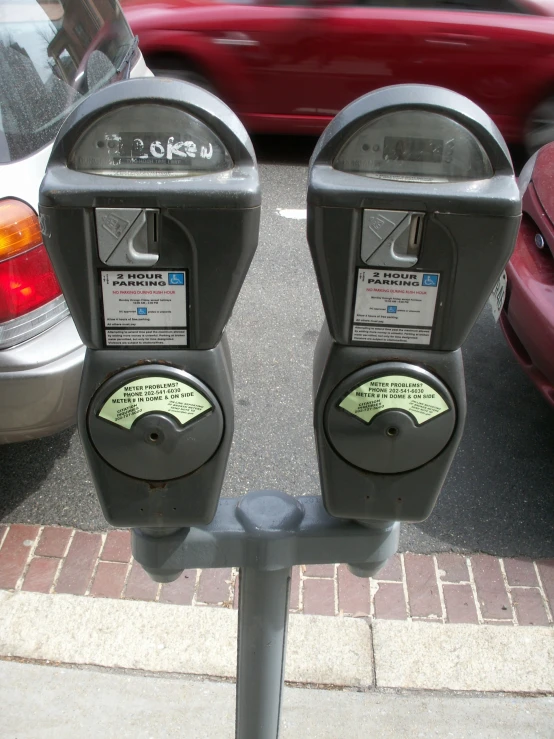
527, 319
40, 384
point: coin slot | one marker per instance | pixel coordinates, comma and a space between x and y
153, 226
414, 239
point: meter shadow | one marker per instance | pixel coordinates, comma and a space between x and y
499, 495
281, 149
24, 468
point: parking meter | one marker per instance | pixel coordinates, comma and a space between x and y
150, 211
413, 211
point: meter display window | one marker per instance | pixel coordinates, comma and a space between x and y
149, 140
415, 145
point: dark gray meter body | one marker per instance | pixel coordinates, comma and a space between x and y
150, 210
413, 211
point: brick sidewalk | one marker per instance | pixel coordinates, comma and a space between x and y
446, 588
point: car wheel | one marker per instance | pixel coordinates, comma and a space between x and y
539, 129
172, 68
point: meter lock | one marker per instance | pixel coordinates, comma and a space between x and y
391, 238
128, 236
390, 423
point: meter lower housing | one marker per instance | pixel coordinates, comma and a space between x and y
156, 437
387, 428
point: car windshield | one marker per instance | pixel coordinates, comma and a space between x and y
52, 54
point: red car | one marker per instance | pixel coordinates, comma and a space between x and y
290, 66
527, 317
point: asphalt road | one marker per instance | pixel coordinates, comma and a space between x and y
499, 496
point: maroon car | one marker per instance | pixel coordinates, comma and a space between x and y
527, 318
291, 66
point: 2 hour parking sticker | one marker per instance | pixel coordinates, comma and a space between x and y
395, 307
145, 308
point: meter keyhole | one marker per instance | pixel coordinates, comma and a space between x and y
154, 437
392, 431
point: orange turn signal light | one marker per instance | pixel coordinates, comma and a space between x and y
19, 228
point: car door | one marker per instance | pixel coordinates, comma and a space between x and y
474, 47
278, 46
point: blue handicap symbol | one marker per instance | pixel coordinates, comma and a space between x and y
391, 308
142, 311
176, 278
430, 280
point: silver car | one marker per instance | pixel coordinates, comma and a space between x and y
52, 54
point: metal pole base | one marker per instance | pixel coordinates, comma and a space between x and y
263, 618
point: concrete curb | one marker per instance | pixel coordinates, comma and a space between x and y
165, 638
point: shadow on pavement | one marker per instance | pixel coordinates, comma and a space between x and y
499, 495
25, 466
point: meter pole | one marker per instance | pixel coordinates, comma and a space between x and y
265, 534
263, 618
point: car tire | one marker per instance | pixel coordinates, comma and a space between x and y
173, 68
539, 129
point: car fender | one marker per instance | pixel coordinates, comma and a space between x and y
208, 58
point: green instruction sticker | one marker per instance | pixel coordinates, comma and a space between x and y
395, 391
150, 394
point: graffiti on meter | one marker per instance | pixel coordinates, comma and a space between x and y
398, 392
154, 394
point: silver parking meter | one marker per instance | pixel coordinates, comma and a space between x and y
150, 210
413, 212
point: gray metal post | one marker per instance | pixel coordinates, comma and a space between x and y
262, 631
265, 534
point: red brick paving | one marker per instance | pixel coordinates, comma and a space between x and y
520, 571
109, 580
392, 570
117, 547
15, 553
546, 572
39, 578
87, 567
459, 603
181, 591
53, 541
423, 592
529, 607
214, 586
389, 601
79, 563
491, 591
319, 597
319, 571
139, 585
454, 567
354, 597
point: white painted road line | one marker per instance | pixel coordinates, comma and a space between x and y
296, 214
